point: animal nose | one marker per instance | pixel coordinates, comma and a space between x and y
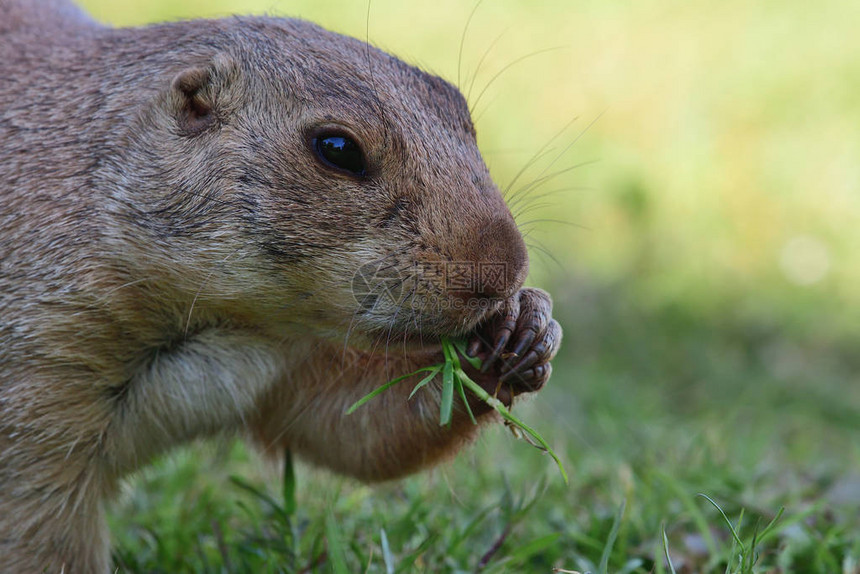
492, 283
497, 263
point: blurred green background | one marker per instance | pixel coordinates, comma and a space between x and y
723, 134
700, 239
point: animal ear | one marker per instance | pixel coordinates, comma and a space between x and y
200, 94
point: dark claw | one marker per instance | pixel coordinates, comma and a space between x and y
541, 375
542, 352
504, 332
525, 337
531, 326
473, 347
525, 341
532, 357
501, 342
534, 379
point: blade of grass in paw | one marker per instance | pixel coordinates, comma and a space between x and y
454, 378
385, 387
450, 350
479, 392
460, 346
462, 392
433, 372
447, 402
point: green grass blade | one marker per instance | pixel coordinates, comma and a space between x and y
387, 556
751, 555
336, 555
458, 382
465, 533
666, 551
449, 348
479, 392
506, 414
534, 548
289, 487
433, 372
447, 403
373, 394
449, 351
726, 518
455, 379
610, 541
277, 508
771, 525
460, 346
407, 562
688, 500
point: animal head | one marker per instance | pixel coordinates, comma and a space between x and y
310, 180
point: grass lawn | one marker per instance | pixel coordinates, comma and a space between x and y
644, 433
706, 402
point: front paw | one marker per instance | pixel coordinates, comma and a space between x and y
516, 345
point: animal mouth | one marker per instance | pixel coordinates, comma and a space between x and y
427, 328
419, 306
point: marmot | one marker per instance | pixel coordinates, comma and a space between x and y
183, 208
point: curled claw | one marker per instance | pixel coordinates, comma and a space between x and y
506, 327
525, 363
533, 320
534, 379
516, 346
542, 351
526, 337
531, 324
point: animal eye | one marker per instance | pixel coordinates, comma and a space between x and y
340, 151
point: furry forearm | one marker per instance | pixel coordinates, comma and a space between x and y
206, 385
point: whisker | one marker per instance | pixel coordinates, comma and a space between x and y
537, 155
480, 63
463, 40
545, 251
203, 285
498, 74
528, 199
476, 117
558, 221
563, 152
379, 106
391, 326
544, 179
356, 313
531, 207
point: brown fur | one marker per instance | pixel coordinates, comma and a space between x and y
175, 263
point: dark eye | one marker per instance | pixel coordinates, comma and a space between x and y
340, 151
